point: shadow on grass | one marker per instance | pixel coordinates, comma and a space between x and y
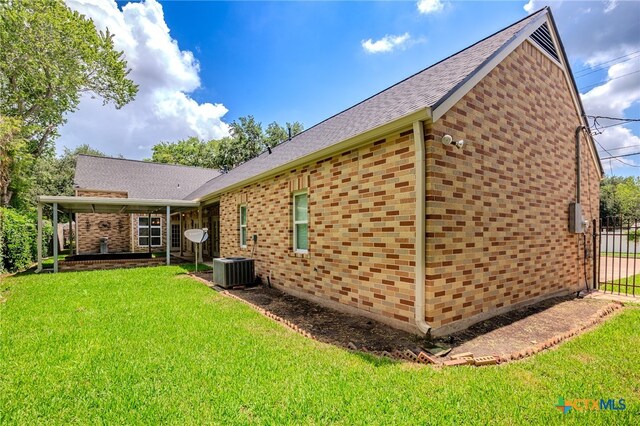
191, 267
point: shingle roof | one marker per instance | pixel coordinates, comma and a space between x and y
140, 179
427, 88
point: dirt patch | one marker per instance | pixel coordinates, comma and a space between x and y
526, 330
328, 325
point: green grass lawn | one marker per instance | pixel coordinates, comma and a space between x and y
625, 286
154, 346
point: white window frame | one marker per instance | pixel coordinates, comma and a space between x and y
150, 238
242, 227
299, 222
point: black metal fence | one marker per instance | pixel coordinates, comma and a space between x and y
619, 255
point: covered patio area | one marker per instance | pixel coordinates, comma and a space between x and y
123, 206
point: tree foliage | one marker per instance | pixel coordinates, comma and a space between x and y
247, 140
14, 159
188, 152
49, 57
54, 175
620, 196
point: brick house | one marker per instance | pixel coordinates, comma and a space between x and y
330, 215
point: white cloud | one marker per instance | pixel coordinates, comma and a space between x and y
618, 141
386, 43
612, 99
610, 5
617, 94
163, 109
530, 6
429, 6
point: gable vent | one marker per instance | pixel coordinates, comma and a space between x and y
543, 38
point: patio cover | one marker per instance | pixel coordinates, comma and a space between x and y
106, 205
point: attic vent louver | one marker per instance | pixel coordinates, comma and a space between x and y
543, 38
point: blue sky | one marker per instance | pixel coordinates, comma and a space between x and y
201, 65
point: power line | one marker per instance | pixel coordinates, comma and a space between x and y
607, 66
622, 155
623, 147
595, 117
598, 129
611, 79
613, 125
606, 62
613, 157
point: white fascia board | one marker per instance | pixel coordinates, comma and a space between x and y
423, 114
62, 200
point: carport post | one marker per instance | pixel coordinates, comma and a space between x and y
39, 238
168, 235
55, 237
199, 253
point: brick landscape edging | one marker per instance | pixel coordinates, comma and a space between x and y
93, 265
408, 355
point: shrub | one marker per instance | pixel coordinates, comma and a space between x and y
18, 239
634, 235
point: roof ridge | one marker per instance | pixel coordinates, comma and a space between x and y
106, 157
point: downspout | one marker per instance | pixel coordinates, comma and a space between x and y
578, 166
420, 245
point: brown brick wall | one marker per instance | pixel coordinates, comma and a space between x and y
497, 211
361, 229
93, 226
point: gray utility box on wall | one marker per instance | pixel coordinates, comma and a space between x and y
231, 271
576, 221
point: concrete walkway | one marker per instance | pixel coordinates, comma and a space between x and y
526, 328
614, 297
614, 268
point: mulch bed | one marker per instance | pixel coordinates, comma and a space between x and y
509, 336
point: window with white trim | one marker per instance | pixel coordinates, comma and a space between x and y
301, 222
143, 232
243, 225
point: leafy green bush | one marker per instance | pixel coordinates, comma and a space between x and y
634, 235
18, 239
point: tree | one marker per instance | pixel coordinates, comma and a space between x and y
620, 197
189, 152
276, 134
14, 159
247, 141
49, 57
54, 175
629, 195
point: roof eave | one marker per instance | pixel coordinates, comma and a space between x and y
127, 205
423, 114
